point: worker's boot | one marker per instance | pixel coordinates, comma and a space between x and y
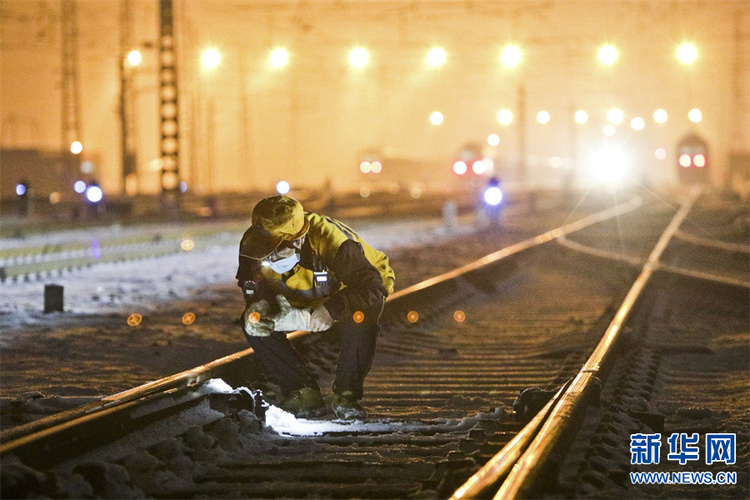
346, 406
305, 403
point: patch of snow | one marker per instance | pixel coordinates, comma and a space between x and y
152, 284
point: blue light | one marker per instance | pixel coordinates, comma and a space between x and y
79, 187
20, 189
183, 186
493, 195
94, 194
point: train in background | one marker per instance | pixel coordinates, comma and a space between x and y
693, 160
389, 169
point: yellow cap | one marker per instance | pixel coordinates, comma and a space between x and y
275, 219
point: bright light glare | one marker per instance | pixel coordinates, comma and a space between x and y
687, 53
279, 57
615, 116
76, 147
542, 117
504, 116
695, 115
660, 116
493, 140
365, 167
460, 167
660, 154
282, 187
511, 56
134, 58
610, 165
479, 167
699, 161
493, 195
20, 189
94, 194
359, 57
211, 58
581, 116
436, 118
608, 55
376, 167
637, 123
685, 161
79, 187
436, 57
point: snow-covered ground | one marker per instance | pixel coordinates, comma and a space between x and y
146, 285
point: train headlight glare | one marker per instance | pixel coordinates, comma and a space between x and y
699, 161
460, 167
685, 161
609, 165
478, 167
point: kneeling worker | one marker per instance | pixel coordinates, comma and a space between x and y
305, 271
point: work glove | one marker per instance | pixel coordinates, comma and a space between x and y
290, 318
256, 322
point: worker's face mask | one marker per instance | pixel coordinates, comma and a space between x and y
285, 257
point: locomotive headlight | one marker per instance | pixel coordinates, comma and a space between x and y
609, 165
493, 195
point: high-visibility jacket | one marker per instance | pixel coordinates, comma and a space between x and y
336, 268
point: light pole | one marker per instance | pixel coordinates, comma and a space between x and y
210, 60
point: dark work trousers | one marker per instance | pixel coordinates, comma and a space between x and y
287, 368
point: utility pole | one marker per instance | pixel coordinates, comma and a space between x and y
70, 91
127, 125
169, 129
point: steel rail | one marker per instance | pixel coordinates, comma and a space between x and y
18, 437
635, 261
501, 464
558, 423
707, 242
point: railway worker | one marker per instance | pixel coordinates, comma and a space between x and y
305, 271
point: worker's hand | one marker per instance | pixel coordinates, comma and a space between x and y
256, 322
290, 318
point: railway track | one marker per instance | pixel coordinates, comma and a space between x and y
684, 327
454, 353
